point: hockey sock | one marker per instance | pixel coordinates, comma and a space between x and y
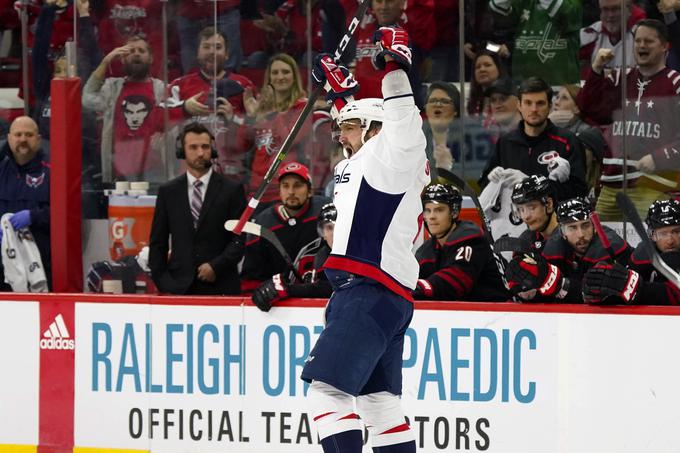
384, 418
406, 447
335, 419
345, 442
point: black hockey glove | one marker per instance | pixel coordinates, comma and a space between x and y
270, 291
610, 283
531, 271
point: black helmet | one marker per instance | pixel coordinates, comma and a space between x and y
327, 214
574, 210
663, 213
443, 193
534, 187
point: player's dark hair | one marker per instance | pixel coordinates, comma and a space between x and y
660, 27
535, 85
195, 128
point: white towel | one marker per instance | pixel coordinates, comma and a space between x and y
23, 267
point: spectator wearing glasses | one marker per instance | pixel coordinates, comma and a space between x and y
442, 130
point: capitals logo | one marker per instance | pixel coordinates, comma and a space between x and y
35, 181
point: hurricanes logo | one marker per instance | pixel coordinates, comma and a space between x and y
35, 181
547, 157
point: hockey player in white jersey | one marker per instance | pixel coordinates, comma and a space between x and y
358, 356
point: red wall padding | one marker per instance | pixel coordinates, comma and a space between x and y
66, 168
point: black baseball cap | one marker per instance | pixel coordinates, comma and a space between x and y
503, 86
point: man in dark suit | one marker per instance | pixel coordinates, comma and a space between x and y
191, 210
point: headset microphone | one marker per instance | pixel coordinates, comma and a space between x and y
207, 164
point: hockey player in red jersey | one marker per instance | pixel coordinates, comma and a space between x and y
457, 257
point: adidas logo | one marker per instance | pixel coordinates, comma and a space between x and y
57, 337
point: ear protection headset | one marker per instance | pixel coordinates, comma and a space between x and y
195, 128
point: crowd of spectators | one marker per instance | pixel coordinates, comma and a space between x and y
543, 92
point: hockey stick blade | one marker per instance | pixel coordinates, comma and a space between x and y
467, 190
511, 244
288, 142
266, 234
628, 209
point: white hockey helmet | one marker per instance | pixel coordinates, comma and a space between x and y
365, 110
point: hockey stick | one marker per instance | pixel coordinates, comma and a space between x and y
264, 233
511, 244
628, 209
288, 142
595, 219
467, 190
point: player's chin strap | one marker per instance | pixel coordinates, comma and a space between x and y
547, 222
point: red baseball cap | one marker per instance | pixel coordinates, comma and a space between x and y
295, 168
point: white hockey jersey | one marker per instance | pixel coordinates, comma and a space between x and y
377, 195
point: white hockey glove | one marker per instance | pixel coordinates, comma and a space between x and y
512, 176
559, 169
496, 174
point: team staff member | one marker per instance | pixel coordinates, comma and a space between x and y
358, 356
457, 258
25, 188
190, 212
538, 147
534, 203
315, 283
292, 220
555, 276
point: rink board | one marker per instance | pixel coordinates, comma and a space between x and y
125, 374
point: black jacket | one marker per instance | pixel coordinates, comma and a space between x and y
28, 187
209, 242
531, 155
463, 268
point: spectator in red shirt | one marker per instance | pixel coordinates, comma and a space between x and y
273, 114
194, 15
213, 95
417, 19
131, 107
606, 33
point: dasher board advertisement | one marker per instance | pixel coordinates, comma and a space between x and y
226, 378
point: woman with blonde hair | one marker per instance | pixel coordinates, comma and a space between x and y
272, 115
